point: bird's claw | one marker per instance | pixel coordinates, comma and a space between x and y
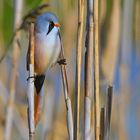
33, 77
62, 62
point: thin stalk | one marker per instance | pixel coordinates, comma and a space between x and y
102, 124
15, 57
68, 104
108, 110
81, 6
30, 92
96, 66
87, 119
88, 70
66, 96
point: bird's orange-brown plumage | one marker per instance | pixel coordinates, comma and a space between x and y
37, 108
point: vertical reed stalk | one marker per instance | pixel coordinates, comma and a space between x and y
88, 70
30, 92
96, 66
102, 124
68, 104
108, 110
81, 6
15, 57
66, 96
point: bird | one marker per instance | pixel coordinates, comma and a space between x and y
46, 53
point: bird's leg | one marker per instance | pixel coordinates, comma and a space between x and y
62, 61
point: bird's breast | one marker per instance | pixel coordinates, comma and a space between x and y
47, 50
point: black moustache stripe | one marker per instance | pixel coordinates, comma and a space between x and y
51, 26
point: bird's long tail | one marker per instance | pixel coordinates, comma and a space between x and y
39, 80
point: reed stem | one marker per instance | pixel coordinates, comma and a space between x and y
81, 5
96, 66
30, 92
15, 57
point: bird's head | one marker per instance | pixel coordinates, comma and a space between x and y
46, 22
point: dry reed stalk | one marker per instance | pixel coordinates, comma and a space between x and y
108, 111
15, 57
81, 6
88, 70
102, 124
68, 103
30, 92
66, 96
87, 119
96, 66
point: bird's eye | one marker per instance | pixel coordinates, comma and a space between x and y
51, 25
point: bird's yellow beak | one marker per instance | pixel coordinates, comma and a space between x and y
57, 25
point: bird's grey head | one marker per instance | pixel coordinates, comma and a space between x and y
46, 22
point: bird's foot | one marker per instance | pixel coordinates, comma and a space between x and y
31, 77
62, 62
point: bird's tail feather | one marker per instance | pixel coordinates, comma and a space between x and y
39, 80
37, 108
